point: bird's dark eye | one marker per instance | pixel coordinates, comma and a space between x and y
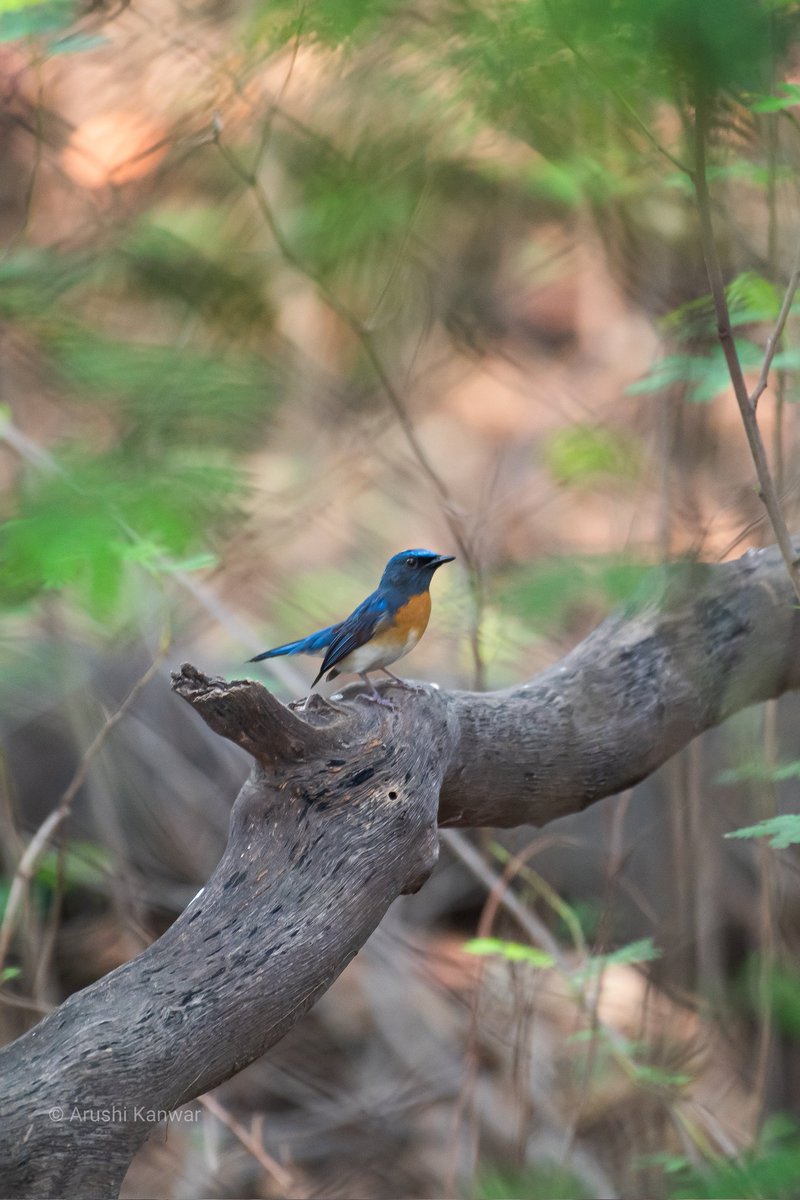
411, 562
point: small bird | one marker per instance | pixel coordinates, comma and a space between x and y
387, 625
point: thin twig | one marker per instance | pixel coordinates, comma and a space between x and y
768, 949
772, 259
498, 887
773, 341
38, 843
746, 406
500, 895
284, 1179
275, 103
364, 335
38, 140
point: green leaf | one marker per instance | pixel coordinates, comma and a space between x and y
769, 1171
768, 104
636, 952
330, 22
584, 453
359, 209
643, 950
752, 299
544, 1181
759, 772
173, 395
9, 973
775, 987
184, 258
83, 864
670, 1163
647, 1073
197, 562
727, 41
783, 831
511, 951
703, 375
74, 528
672, 369
32, 18
32, 280
575, 180
547, 594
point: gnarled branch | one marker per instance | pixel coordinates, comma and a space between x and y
337, 819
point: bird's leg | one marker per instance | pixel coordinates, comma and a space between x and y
402, 683
374, 696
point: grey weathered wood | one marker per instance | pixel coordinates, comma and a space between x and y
713, 640
337, 819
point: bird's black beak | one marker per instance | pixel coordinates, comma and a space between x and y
441, 559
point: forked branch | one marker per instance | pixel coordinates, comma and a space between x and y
337, 819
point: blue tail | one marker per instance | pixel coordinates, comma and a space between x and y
314, 644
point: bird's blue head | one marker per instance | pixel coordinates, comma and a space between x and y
411, 571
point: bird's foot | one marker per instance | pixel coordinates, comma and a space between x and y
376, 698
403, 684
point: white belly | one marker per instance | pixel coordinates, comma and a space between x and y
376, 654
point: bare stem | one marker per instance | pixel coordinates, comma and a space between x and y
768, 939
252, 1143
773, 341
364, 335
745, 401
40, 840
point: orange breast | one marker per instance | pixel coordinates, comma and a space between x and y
412, 618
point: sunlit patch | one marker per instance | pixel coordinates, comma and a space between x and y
114, 148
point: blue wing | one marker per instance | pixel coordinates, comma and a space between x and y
356, 630
309, 645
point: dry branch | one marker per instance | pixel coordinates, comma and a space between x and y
337, 819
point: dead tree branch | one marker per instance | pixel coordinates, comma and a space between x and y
337, 819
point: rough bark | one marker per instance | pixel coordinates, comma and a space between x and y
711, 640
337, 819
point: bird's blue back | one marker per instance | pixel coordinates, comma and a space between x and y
359, 628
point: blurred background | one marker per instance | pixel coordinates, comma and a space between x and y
286, 288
